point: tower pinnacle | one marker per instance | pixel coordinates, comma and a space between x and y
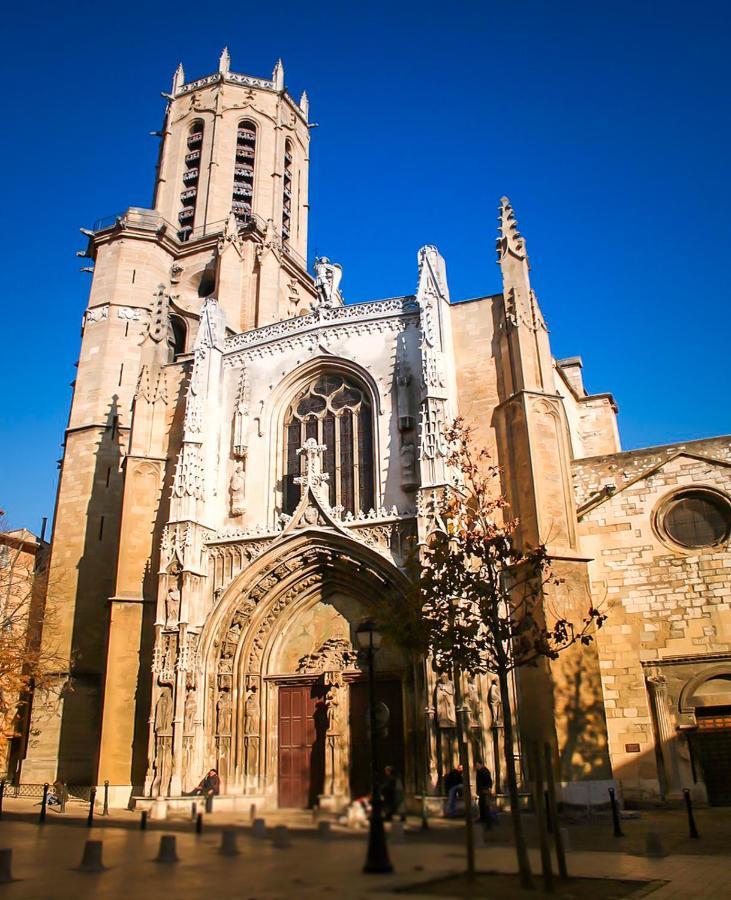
278, 76
509, 239
178, 79
224, 62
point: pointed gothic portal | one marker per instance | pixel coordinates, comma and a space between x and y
282, 690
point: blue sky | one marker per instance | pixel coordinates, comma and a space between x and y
607, 124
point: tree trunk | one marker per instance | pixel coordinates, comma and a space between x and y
521, 849
464, 758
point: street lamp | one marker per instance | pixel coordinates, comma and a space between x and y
377, 861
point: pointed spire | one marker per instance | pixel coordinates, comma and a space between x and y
178, 79
509, 239
224, 62
278, 76
305, 104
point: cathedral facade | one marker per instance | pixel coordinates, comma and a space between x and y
249, 461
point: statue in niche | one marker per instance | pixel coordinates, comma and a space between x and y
164, 712
189, 715
446, 712
172, 605
251, 711
236, 490
473, 702
225, 670
223, 713
495, 702
334, 682
408, 465
234, 633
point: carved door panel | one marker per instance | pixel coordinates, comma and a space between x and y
712, 748
390, 736
301, 745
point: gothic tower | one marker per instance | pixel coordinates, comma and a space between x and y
229, 219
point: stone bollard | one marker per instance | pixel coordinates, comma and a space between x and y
167, 852
281, 837
6, 866
228, 846
91, 861
252, 812
565, 839
259, 828
143, 820
653, 845
324, 831
397, 833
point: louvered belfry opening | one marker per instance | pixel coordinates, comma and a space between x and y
243, 189
337, 412
287, 192
191, 173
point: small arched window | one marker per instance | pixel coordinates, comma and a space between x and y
242, 199
191, 173
337, 412
287, 191
180, 334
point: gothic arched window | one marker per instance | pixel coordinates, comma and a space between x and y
337, 412
243, 189
189, 195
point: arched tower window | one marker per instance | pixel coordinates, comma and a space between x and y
337, 412
189, 195
180, 332
287, 191
243, 189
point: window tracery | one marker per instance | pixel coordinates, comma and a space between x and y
335, 411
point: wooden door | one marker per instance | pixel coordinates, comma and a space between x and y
390, 738
301, 745
712, 748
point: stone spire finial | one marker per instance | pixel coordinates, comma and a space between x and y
224, 61
305, 104
278, 76
509, 239
178, 79
314, 478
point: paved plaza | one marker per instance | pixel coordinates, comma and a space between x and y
45, 859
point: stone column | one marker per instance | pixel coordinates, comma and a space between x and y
665, 730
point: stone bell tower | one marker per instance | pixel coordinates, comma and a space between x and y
229, 220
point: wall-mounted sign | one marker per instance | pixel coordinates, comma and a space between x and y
631, 748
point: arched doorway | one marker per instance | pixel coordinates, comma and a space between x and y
285, 717
710, 698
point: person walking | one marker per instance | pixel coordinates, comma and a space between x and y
393, 795
483, 783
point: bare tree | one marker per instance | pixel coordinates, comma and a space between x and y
488, 603
26, 663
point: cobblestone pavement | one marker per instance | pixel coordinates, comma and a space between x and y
45, 860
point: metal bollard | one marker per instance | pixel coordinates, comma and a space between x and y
167, 852
92, 801
91, 861
2, 794
199, 823
6, 866
143, 820
615, 814
228, 846
44, 805
691, 818
209, 803
105, 808
193, 810
549, 823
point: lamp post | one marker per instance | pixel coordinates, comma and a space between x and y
377, 861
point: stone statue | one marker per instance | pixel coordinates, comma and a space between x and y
223, 713
408, 466
327, 282
172, 606
446, 712
164, 712
189, 716
251, 711
474, 704
332, 700
495, 702
236, 490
